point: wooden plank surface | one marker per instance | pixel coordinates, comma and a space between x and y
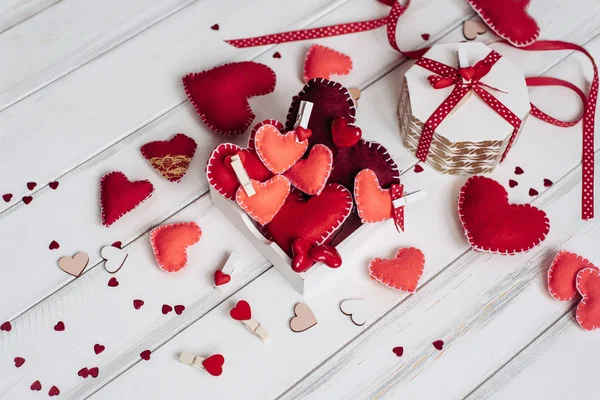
13, 12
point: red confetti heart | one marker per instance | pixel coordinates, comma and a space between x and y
425, 36
166, 309
53, 245
512, 183
31, 185
145, 355
519, 171
179, 309
27, 199
83, 372
533, 192
6, 326
118, 196
214, 364
59, 327
402, 272
438, 344
220, 95
117, 244
98, 348
53, 185
241, 311
562, 274
322, 62
418, 169
276, 55
37, 386
344, 134
137, 304
547, 183
221, 278
19, 361
94, 371
398, 351
171, 158
53, 391
113, 282
7, 197
215, 27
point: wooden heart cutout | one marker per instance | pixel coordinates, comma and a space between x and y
304, 319
356, 309
322, 62
563, 273
115, 258
401, 272
278, 151
472, 28
268, 200
373, 203
74, 265
310, 175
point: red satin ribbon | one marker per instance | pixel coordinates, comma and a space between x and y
391, 21
397, 190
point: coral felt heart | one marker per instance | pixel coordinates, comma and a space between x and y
588, 310
349, 161
118, 195
344, 134
273, 122
220, 95
330, 100
170, 243
492, 224
508, 19
401, 272
220, 174
214, 364
322, 62
278, 151
563, 273
267, 201
313, 220
373, 203
241, 311
171, 158
310, 174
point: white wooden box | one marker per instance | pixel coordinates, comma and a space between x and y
302, 282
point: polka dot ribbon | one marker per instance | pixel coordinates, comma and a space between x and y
397, 191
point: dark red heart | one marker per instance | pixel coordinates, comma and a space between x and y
31, 185
467, 72
94, 371
492, 224
53, 245
533, 192
113, 282
220, 95
37, 386
398, 351
547, 183
214, 364
137, 304
19, 361
83, 372
117, 244
425, 36
512, 183
302, 133
53, 185
7, 197
314, 220
145, 355
171, 158
344, 134
53, 391
27, 199
98, 348
301, 262
215, 27
326, 254
118, 195
438, 344
166, 309
221, 278
179, 309
276, 55
6, 326
241, 311
519, 171
418, 169
59, 327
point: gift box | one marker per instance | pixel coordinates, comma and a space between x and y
461, 115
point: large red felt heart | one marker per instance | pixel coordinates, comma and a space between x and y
220, 174
322, 62
330, 100
310, 174
492, 224
313, 220
118, 195
220, 95
171, 158
214, 364
563, 272
170, 243
508, 19
241, 311
588, 310
401, 272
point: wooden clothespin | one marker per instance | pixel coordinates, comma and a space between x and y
303, 117
409, 198
213, 364
190, 359
355, 93
463, 62
242, 312
242, 175
223, 276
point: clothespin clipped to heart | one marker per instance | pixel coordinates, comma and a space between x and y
242, 312
400, 200
463, 62
223, 275
303, 116
213, 364
242, 175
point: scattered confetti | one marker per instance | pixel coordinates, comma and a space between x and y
27, 199
31, 185
438, 344
398, 351
54, 245
59, 327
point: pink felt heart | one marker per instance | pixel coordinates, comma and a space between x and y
322, 62
563, 272
401, 272
278, 151
310, 174
373, 203
588, 310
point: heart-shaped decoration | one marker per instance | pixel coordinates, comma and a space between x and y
145, 355
19, 361
98, 348
344, 134
508, 19
83, 372
398, 351
170, 243
310, 175
220, 95
401, 272
53, 245
221, 278
588, 310
492, 224
138, 303
373, 203
438, 344
327, 255
270, 196
36, 386
94, 371
115, 258
214, 364
563, 273
179, 309
322, 62
314, 220
302, 133
330, 100
118, 196
273, 122
278, 151
473, 28
356, 309
54, 391
241, 311
74, 265
7, 197
6, 326
301, 262
219, 172
171, 158
59, 327
304, 319
113, 282
166, 309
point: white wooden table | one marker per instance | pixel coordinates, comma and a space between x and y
84, 83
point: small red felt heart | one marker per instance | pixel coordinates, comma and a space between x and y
270, 196
6, 326
37, 386
118, 196
509, 20
438, 344
301, 262
322, 62
53, 245
310, 174
54, 391
31, 185
563, 272
27, 199
83, 372
214, 364
98, 348
492, 224
220, 95
53, 185
113, 282
137, 304
326, 254
220, 174
278, 151
19, 361
7, 197
588, 310
344, 134
241, 311
145, 355
60, 326
398, 351
221, 278
373, 203
166, 309
401, 272
94, 371
170, 243
171, 158
302, 133
179, 309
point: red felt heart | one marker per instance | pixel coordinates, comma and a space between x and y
145, 355
98, 348
492, 224
37, 386
330, 100
508, 19
118, 195
171, 158
310, 175
322, 62
588, 310
314, 220
301, 262
326, 254
214, 364
60, 326
563, 272
344, 134
220, 95
221, 176
54, 391
19, 361
241, 311
137, 304
401, 272
264, 205
170, 243
467, 72
221, 278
